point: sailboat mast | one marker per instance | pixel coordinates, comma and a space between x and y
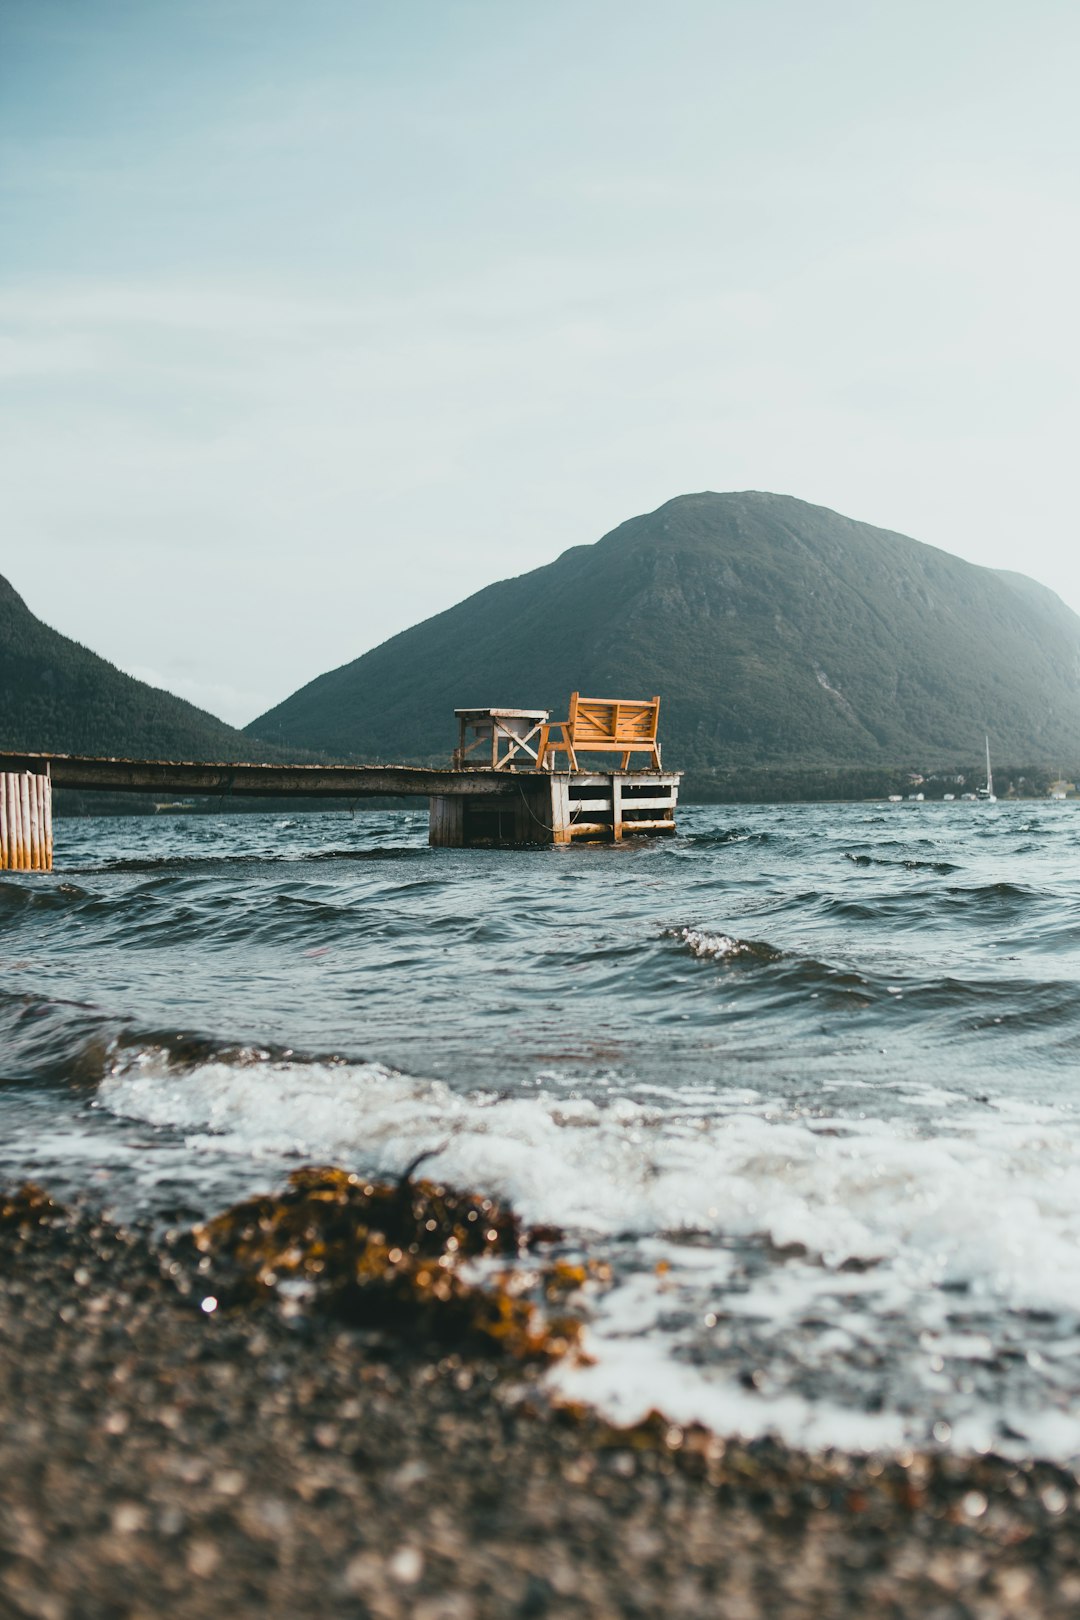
989, 777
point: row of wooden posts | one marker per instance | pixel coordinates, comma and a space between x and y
26, 843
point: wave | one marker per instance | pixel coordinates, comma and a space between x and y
996, 1196
37, 896
995, 1005
789, 974
51, 1041
728, 835
909, 865
835, 1252
993, 892
980, 903
207, 864
709, 947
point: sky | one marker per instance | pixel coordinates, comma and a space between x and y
315, 319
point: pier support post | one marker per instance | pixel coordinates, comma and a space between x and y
446, 822
25, 822
616, 809
560, 809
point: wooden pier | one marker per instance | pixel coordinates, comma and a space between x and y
468, 807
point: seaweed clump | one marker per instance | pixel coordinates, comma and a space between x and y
398, 1257
26, 1209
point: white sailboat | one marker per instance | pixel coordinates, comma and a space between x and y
986, 795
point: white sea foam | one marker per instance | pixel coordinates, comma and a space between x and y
717, 947
979, 1218
994, 1200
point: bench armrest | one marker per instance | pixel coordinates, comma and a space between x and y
549, 747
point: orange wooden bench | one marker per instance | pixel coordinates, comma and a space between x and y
602, 726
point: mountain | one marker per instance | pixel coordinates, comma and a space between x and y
58, 697
776, 632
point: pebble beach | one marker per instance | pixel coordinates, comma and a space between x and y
159, 1458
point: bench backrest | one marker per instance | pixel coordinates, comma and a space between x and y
613, 721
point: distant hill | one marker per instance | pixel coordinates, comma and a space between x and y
58, 697
776, 632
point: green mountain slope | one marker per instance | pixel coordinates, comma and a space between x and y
58, 697
775, 632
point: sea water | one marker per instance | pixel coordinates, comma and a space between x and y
804, 1077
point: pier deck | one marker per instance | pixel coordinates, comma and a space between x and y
253, 780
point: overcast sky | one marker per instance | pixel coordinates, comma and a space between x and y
317, 317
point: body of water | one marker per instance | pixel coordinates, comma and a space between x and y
805, 1076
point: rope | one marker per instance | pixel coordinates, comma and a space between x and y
524, 797
575, 815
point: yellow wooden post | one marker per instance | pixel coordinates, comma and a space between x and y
7, 787
24, 816
46, 783
25, 822
35, 822
616, 809
560, 809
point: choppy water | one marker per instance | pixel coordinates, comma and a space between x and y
808, 1077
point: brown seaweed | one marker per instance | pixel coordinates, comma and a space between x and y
28, 1206
396, 1256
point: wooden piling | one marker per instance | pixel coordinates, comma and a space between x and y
26, 792
47, 819
616, 809
24, 813
22, 853
560, 809
18, 861
7, 792
25, 822
14, 797
36, 839
445, 822
19, 858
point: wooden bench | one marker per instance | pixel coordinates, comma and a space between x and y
602, 726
